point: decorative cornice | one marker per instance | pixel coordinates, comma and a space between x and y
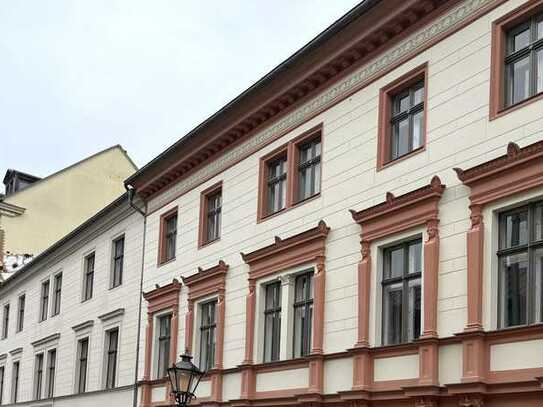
350, 83
83, 325
518, 170
112, 314
207, 281
16, 351
3, 357
163, 297
283, 253
48, 339
434, 190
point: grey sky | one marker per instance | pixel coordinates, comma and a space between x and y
77, 76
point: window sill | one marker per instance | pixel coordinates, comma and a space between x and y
399, 159
273, 215
201, 245
115, 287
163, 263
506, 110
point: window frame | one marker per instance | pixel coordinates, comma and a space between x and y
289, 152
275, 311
2, 382
109, 364
387, 95
162, 339
499, 48
51, 372
305, 303
5, 320
116, 278
203, 225
211, 344
162, 243
15, 378
88, 293
39, 360
57, 294
529, 248
405, 279
21, 305
81, 385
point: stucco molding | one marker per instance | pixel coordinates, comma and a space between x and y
16, 351
83, 325
415, 42
3, 357
47, 340
112, 314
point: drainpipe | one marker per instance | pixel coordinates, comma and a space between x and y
131, 194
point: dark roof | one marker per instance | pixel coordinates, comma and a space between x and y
10, 173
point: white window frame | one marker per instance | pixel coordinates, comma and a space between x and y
156, 334
44, 348
377, 263
83, 274
108, 325
112, 240
287, 279
34, 377
81, 334
197, 324
52, 291
17, 321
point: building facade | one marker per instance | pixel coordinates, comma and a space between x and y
29, 221
70, 317
363, 226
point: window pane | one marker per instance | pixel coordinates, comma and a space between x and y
516, 229
521, 40
402, 103
400, 141
392, 314
538, 269
395, 263
415, 258
538, 223
520, 80
539, 57
413, 329
418, 95
513, 285
539, 29
418, 123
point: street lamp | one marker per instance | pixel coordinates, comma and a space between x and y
184, 378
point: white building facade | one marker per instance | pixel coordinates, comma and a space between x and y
70, 317
384, 188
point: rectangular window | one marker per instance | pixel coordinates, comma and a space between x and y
520, 257
5, 322
21, 314
207, 335
290, 174
303, 314
402, 109
112, 341
118, 259
2, 371
44, 304
524, 60
210, 215
168, 236
82, 361
272, 322
38, 376
164, 334
88, 280
51, 367
57, 294
276, 180
15, 382
401, 287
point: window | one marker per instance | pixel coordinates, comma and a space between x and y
118, 258
112, 341
88, 280
168, 236
276, 181
520, 257
309, 169
303, 314
272, 322
44, 304
51, 367
524, 60
5, 324
21, 313
210, 215
57, 294
164, 333
402, 106
208, 324
401, 287
290, 174
38, 376
2, 371
15, 381
82, 359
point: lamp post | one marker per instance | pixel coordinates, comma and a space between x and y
184, 377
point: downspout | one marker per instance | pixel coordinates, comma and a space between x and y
131, 193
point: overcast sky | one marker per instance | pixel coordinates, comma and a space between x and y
78, 76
